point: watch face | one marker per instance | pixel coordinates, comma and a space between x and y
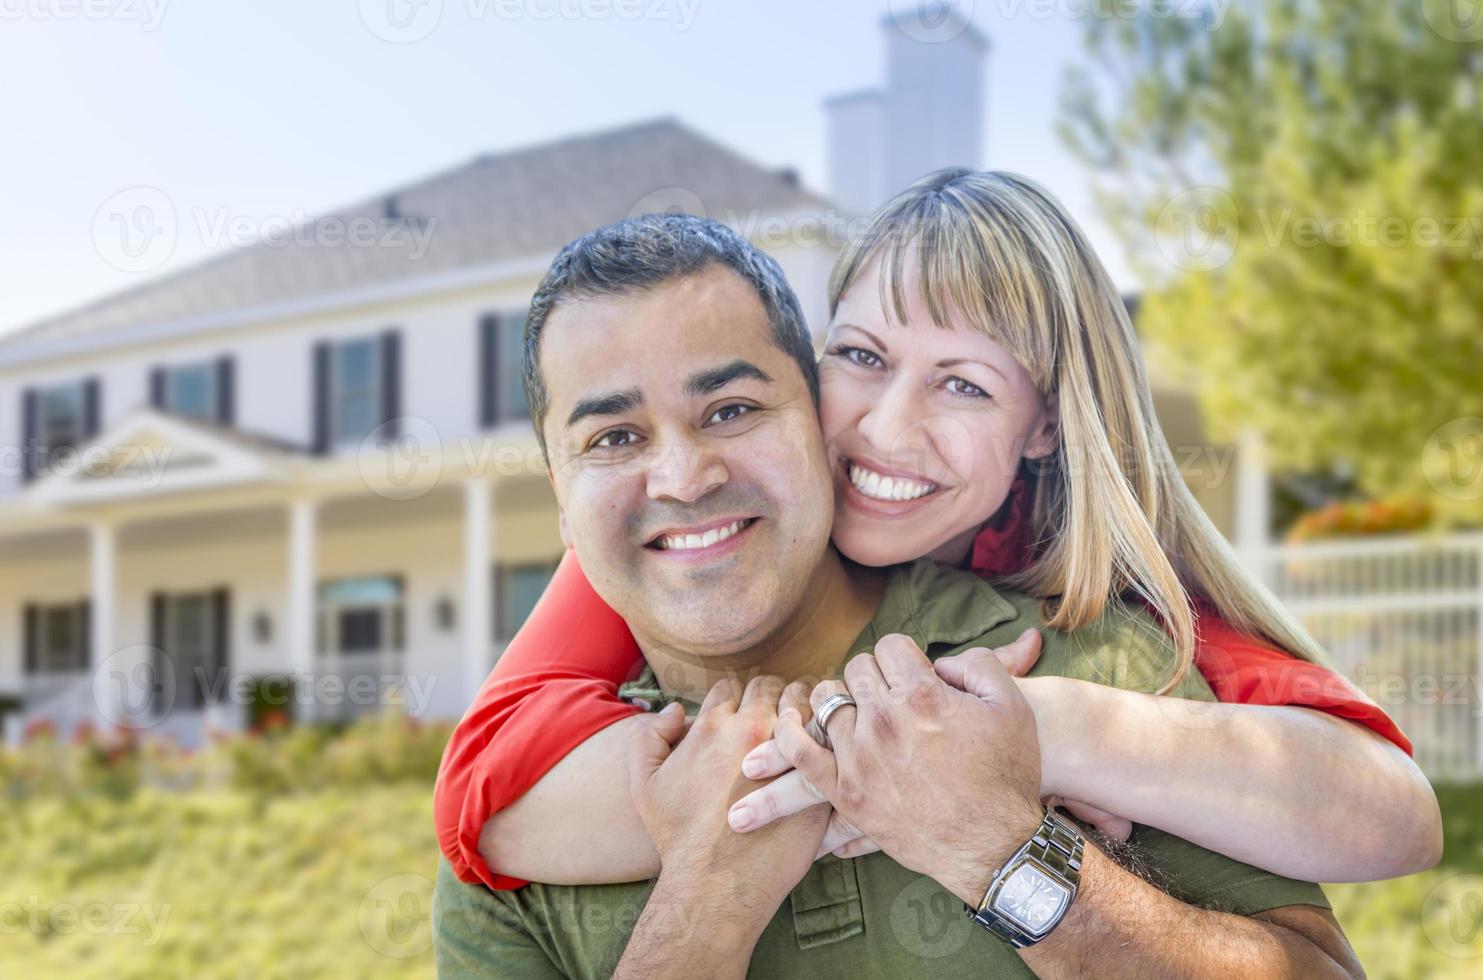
1031, 899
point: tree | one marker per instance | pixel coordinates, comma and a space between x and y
1300, 188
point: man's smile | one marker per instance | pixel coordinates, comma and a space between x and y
702, 541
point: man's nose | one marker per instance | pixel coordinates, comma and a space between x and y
685, 470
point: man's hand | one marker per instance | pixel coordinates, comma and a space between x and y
947, 782
790, 791
683, 794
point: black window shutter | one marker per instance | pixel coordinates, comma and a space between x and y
321, 398
32, 638
391, 381
163, 669
489, 370
221, 641
90, 393
28, 434
157, 387
226, 390
85, 633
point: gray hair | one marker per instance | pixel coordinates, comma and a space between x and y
644, 252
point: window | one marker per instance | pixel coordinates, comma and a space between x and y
361, 615
56, 418
62, 418
191, 391
517, 587
57, 639
511, 385
355, 394
501, 379
189, 638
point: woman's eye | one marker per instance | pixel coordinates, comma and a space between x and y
728, 412
965, 389
615, 439
859, 355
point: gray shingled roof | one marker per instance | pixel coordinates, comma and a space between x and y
501, 206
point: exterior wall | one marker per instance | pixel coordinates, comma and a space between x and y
274, 370
857, 150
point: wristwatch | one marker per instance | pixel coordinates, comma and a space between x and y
1031, 893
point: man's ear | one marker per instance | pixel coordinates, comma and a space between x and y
1046, 436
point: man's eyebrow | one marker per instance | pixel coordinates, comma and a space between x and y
713, 380
613, 403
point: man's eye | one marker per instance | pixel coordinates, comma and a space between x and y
965, 389
615, 439
728, 412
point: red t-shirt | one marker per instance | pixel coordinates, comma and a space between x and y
557, 684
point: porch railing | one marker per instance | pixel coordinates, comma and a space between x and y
1403, 618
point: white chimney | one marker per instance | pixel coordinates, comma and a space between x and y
928, 116
857, 149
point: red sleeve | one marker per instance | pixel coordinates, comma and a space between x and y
1242, 670
553, 688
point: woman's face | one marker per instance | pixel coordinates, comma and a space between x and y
925, 427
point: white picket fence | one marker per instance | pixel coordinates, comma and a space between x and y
1403, 618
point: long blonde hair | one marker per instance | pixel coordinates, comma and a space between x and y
1110, 513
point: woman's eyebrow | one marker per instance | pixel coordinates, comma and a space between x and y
873, 338
955, 361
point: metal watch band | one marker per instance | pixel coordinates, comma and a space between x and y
1056, 845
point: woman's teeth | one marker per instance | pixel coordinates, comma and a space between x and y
690, 542
873, 484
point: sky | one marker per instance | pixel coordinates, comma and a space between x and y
260, 110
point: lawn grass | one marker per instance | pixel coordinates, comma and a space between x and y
337, 883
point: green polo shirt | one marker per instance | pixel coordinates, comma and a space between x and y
865, 917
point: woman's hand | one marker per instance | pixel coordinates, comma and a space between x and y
790, 792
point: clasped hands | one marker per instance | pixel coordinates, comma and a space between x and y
937, 764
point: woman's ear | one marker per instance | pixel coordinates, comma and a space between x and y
562, 529
1046, 436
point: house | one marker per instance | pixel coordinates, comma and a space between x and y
301, 475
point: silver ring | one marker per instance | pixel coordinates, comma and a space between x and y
821, 717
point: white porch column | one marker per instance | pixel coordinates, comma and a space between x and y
102, 616
299, 629
1253, 503
478, 599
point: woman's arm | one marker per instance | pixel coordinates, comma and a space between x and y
1292, 790
554, 687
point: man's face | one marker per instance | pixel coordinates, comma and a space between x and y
687, 461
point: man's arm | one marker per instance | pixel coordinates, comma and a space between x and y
916, 755
1122, 926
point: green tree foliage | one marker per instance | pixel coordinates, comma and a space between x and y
1300, 187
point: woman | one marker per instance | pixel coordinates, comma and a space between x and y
984, 403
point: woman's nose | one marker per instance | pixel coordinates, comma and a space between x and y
888, 423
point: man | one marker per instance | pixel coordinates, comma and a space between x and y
670, 379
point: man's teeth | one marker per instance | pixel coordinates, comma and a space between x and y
873, 484
690, 542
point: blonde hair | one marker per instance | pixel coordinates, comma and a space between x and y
1110, 513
